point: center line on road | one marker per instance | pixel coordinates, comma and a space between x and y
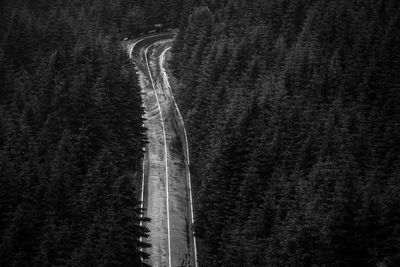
165, 78
165, 153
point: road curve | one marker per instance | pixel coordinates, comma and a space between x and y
165, 153
166, 188
186, 149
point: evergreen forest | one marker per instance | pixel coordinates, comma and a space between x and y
292, 109
293, 114
71, 134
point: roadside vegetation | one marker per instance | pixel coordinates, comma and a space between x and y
293, 114
71, 135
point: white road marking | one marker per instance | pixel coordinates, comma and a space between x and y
134, 44
165, 78
142, 201
142, 196
165, 153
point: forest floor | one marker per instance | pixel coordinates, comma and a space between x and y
170, 234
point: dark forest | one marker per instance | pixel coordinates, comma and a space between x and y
293, 115
71, 134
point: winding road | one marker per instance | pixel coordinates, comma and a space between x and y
166, 186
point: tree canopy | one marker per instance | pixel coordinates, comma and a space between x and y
292, 109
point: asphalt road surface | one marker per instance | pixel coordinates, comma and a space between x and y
166, 190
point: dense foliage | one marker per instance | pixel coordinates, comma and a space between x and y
293, 113
71, 134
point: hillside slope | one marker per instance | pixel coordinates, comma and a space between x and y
293, 114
